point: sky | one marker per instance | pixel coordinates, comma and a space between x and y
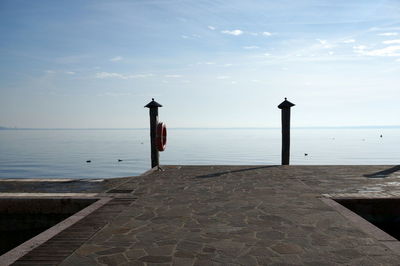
219, 63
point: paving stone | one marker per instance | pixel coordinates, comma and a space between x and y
133, 263
189, 246
116, 259
348, 253
160, 251
135, 253
208, 249
273, 235
89, 249
184, 254
239, 215
247, 260
287, 248
110, 251
74, 260
176, 261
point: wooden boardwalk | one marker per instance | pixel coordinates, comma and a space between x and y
231, 215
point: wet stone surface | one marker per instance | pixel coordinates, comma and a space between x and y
240, 215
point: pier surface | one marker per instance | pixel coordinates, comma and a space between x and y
230, 215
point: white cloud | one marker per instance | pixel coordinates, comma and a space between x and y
70, 73
349, 41
173, 76
228, 65
232, 32
116, 59
391, 42
140, 76
211, 27
330, 52
387, 51
192, 36
267, 54
205, 63
266, 33
250, 47
325, 44
388, 34
360, 47
105, 75
223, 77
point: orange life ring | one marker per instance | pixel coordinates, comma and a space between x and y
161, 136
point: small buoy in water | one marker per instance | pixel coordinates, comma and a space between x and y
119, 160
305, 154
381, 136
88, 161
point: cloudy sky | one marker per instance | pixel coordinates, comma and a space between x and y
219, 63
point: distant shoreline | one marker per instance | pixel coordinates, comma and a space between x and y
215, 128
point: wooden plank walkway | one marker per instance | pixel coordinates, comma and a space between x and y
58, 248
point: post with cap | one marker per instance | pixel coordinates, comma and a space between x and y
153, 106
285, 107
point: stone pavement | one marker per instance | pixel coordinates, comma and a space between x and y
22, 185
241, 215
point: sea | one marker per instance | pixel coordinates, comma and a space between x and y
63, 153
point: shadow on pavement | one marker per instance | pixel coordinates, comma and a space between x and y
384, 173
233, 171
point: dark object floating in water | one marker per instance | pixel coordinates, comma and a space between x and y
119, 160
88, 161
305, 154
141, 142
381, 136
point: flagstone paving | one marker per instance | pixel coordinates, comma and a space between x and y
242, 215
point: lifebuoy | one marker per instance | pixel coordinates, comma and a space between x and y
161, 136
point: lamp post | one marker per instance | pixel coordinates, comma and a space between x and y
285, 107
153, 110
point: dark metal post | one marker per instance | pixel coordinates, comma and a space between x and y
153, 106
285, 107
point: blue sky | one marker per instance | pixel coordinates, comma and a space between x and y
95, 64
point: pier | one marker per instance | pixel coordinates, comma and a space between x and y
219, 215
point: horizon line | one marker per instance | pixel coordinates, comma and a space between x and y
294, 127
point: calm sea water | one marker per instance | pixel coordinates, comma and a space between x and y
63, 153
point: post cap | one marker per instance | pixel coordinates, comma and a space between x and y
153, 104
285, 104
